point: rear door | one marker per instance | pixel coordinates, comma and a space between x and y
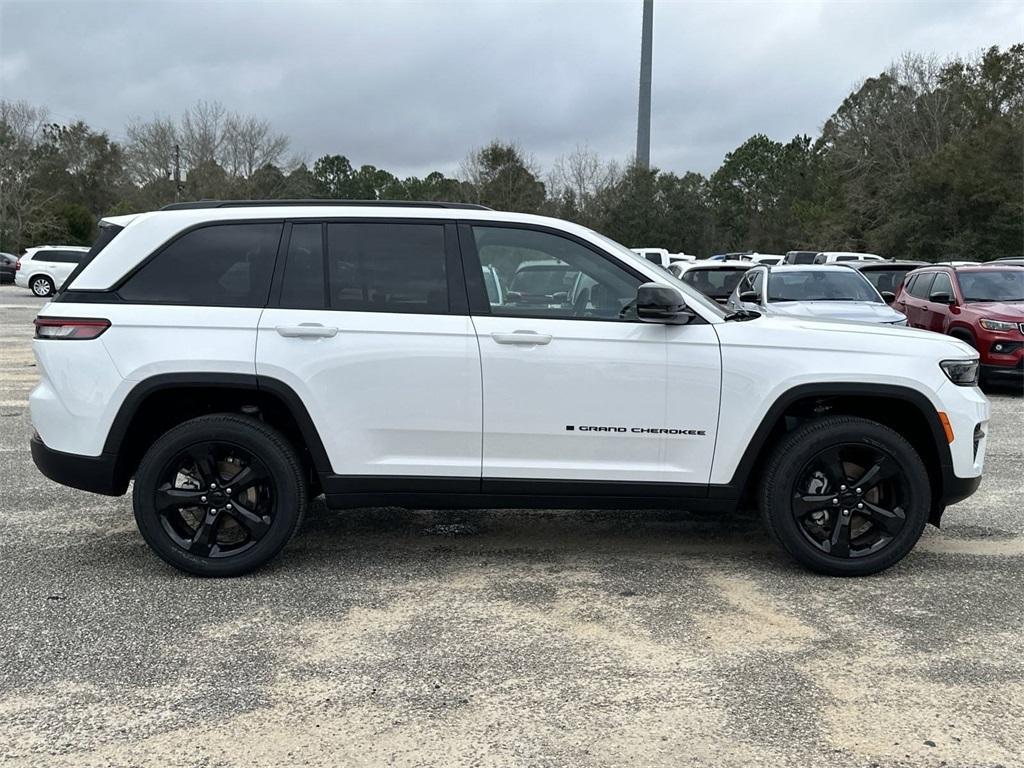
936, 316
915, 302
579, 393
368, 325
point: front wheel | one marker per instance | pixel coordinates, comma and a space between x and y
219, 495
845, 496
42, 286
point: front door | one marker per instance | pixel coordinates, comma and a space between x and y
380, 349
575, 388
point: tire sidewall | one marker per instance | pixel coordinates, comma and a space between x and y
286, 488
787, 528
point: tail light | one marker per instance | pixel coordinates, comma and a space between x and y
69, 327
17, 264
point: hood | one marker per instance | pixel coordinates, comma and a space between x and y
1011, 311
860, 311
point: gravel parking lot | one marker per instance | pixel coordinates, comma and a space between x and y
392, 637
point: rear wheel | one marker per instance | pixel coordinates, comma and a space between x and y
845, 496
219, 495
41, 285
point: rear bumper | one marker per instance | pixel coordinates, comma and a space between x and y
96, 474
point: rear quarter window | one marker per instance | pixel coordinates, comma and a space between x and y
219, 265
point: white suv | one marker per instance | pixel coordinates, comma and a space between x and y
44, 269
236, 359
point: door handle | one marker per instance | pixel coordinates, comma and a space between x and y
522, 337
306, 331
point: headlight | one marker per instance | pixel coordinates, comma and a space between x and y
997, 325
962, 372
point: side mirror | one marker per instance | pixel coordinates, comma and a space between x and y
941, 298
888, 297
657, 303
750, 297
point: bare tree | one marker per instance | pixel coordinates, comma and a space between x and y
250, 143
202, 133
149, 153
579, 177
21, 201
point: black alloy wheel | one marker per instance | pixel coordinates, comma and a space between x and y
845, 496
215, 499
849, 500
219, 495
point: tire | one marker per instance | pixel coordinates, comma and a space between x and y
41, 286
190, 515
804, 509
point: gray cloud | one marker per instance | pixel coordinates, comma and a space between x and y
411, 87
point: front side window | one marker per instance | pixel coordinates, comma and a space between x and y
546, 275
387, 267
941, 285
821, 285
223, 265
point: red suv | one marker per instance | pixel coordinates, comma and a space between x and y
983, 305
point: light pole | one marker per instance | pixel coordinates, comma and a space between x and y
643, 118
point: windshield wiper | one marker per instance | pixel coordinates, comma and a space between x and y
742, 314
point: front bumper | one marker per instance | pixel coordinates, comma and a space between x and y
96, 474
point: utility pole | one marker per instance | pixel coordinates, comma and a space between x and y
643, 118
177, 172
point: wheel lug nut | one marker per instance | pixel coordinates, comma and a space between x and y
229, 490
228, 507
842, 487
859, 490
846, 513
860, 506
212, 486
202, 498
835, 501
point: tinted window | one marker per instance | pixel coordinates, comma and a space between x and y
716, 283
886, 279
847, 258
808, 285
225, 265
921, 285
387, 267
303, 284
552, 276
941, 284
654, 257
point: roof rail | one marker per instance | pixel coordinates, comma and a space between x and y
202, 204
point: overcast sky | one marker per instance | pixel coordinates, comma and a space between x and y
411, 87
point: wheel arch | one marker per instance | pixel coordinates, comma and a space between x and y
160, 402
907, 411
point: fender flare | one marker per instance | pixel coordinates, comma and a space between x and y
735, 487
252, 382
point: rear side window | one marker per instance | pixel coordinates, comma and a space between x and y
223, 265
387, 267
921, 286
303, 284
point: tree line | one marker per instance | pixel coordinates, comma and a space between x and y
924, 160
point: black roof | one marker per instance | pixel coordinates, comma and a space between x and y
201, 204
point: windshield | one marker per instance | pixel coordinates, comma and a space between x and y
716, 283
992, 285
821, 285
691, 295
